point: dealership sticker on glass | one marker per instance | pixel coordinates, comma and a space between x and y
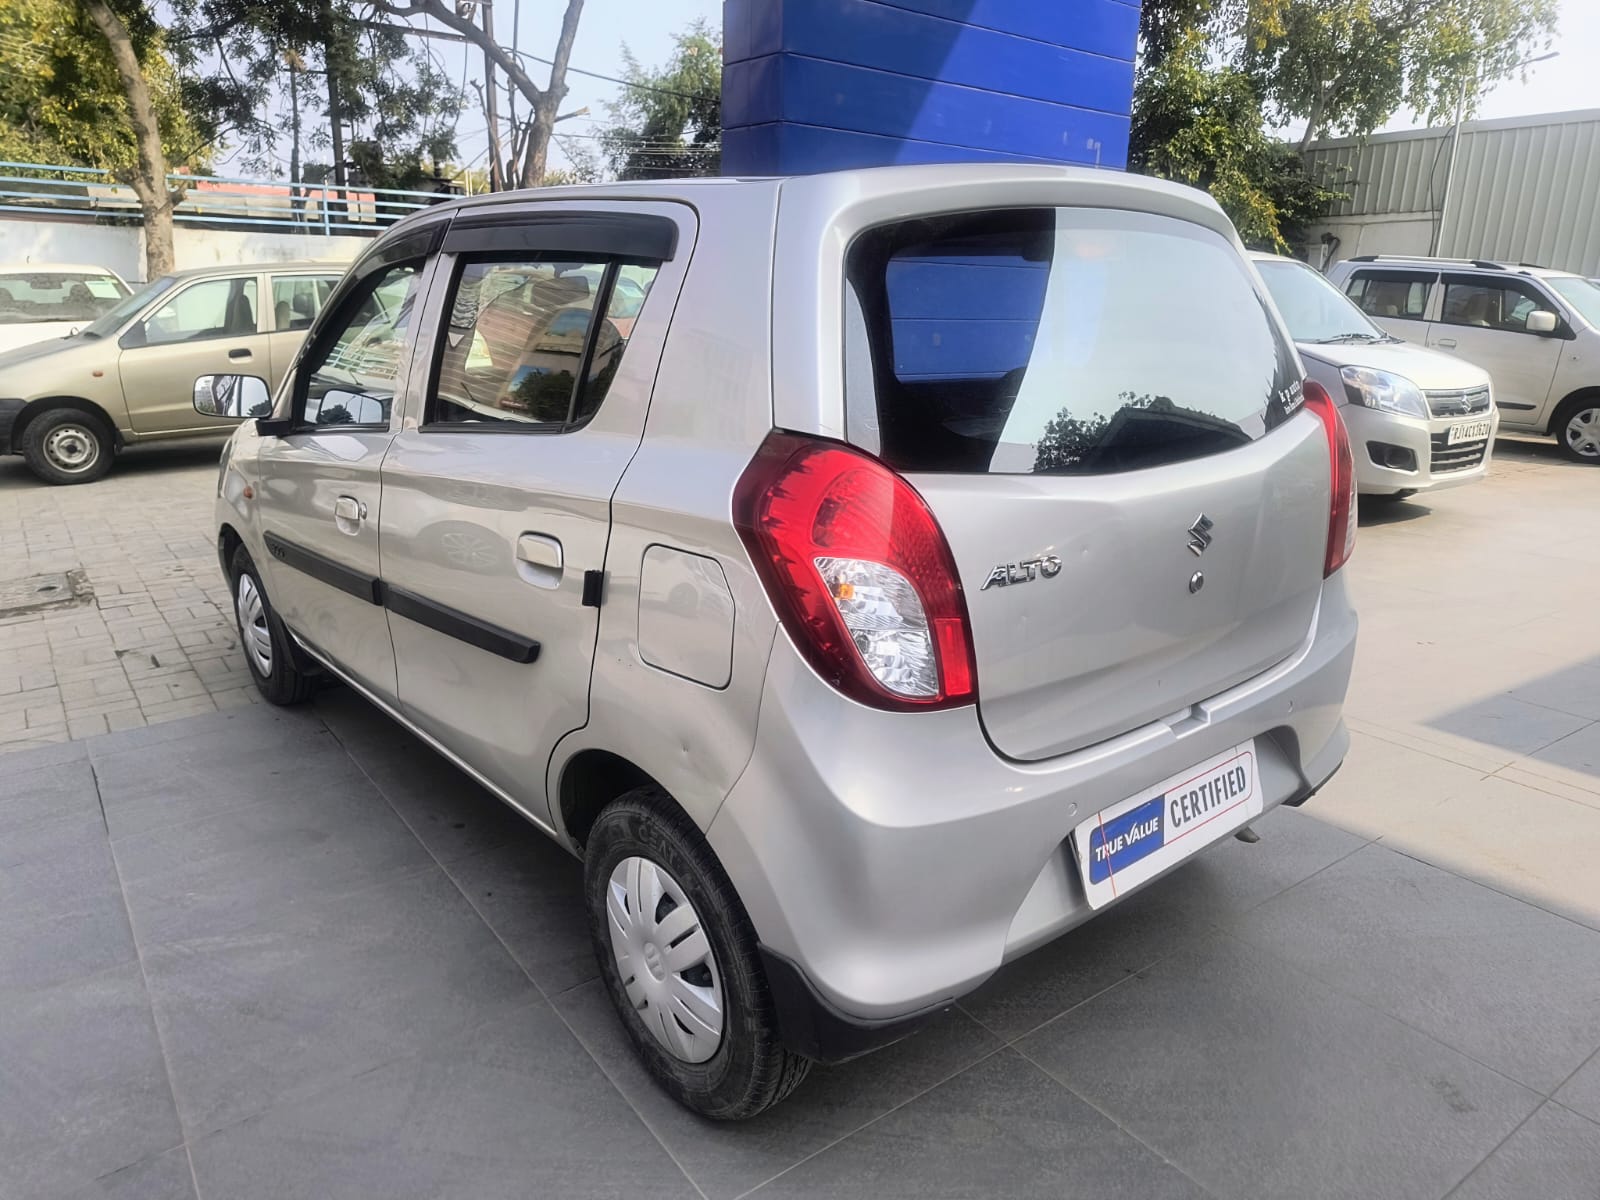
1140, 837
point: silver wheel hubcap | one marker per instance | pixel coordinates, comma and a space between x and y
253, 625
71, 448
1583, 432
664, 959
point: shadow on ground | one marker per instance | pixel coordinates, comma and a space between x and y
371, 979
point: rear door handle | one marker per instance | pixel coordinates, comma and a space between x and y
239, 353
348, 513
1447, 343
539, 559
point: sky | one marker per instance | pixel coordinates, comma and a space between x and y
647, 26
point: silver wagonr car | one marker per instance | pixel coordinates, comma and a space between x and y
871, 576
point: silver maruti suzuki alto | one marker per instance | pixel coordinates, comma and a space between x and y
871, 576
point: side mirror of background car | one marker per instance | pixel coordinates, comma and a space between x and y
1541, 321
231, 396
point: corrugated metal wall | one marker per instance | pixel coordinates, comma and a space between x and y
1526, 189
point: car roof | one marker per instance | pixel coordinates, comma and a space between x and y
909, 178
1483, 265
54, 269
331, 266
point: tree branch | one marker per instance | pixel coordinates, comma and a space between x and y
447, 17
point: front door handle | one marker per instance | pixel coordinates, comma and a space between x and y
239, 353
1447, 343
348, 513
539, 559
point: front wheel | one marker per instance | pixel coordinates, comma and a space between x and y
66, 445
678, 955
1577, 429
265, 641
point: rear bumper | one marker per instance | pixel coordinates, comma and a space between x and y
10, 410
894, 860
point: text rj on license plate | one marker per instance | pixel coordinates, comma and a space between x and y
1472, 431
1138, 838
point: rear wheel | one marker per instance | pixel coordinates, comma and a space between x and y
1577, 429
263, 637
66, 445
678, 955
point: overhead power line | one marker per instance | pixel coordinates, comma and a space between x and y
456, 37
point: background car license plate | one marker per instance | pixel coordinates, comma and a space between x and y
1472, 431
1138, 838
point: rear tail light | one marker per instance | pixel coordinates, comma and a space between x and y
859, 573
1342, 510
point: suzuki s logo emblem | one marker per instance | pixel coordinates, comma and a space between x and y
1200, 535
1047, 566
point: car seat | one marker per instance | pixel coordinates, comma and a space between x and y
282, 316
241, 315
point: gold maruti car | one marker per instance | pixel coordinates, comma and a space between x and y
67, 405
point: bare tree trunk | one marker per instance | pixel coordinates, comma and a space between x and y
149, 179
1314, 117
545, 109
542, 100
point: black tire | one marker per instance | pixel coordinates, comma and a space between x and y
1589, 404
750, 1070
281, 682
68, 445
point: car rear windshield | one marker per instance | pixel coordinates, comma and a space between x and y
1057, 341
28, 297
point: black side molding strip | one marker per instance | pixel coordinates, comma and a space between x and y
460, 626
334, 574
438, 617
1518, 407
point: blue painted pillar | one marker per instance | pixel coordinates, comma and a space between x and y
818, 85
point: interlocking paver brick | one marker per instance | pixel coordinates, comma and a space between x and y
157, 641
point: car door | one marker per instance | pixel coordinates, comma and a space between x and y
497, 500
208, 326
1484, 320
1396, 299
320, 478
296, 301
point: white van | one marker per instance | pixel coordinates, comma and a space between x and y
1536, 331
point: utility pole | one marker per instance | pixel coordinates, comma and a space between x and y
497, 181
1455, 148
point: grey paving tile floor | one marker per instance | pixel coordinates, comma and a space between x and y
279, 954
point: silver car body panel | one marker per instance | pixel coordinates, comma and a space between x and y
897, 858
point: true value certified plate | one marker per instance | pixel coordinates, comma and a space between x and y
1142, 836
1471, 431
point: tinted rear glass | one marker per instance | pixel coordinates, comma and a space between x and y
1057, 341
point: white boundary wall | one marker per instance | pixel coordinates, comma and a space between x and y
121, 247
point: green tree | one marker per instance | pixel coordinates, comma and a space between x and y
1200, 123
366, 94
1346, 66
90, 83
669, 120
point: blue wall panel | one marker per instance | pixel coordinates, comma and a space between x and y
814, 85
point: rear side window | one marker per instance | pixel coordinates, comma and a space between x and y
534, 343
1057, 341
297, 299
1395, 294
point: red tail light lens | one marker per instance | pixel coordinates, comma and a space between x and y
859, 572
1342, 511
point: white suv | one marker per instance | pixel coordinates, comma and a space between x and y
1536, 331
